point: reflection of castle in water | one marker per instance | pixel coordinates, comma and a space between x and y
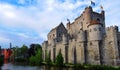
86, 40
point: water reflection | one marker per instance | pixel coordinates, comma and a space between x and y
5, 61
55, 68
10, 66
0, 68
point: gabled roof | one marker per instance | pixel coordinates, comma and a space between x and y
61, 24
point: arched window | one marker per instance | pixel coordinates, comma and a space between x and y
98, 19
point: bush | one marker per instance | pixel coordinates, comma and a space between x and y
59, 59
47, 59
32, 60
37, 59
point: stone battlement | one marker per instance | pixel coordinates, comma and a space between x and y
86, 40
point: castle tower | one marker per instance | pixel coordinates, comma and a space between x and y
95, 30
95, 39
87, 17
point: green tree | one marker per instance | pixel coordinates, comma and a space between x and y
37, 59
32, 60
24, 49
17, 51
59, 59
47, 58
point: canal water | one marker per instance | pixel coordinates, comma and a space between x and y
10, 66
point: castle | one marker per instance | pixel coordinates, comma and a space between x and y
86, 40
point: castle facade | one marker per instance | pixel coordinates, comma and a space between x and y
86, 40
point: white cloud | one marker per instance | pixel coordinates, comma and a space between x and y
4, 40
21, 1
41, 17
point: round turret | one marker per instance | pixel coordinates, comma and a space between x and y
95, 30
81, 36
88, 13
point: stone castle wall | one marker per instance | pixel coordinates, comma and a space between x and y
85, 40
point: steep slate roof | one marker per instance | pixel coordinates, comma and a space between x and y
56, 27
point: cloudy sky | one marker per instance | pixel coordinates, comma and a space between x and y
29, 21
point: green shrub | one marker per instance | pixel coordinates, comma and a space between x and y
47, 59
32, 60
59, 59
37, 59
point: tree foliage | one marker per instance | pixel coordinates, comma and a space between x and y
59, 59
37, 59
24, 49
33, 48
47, 58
